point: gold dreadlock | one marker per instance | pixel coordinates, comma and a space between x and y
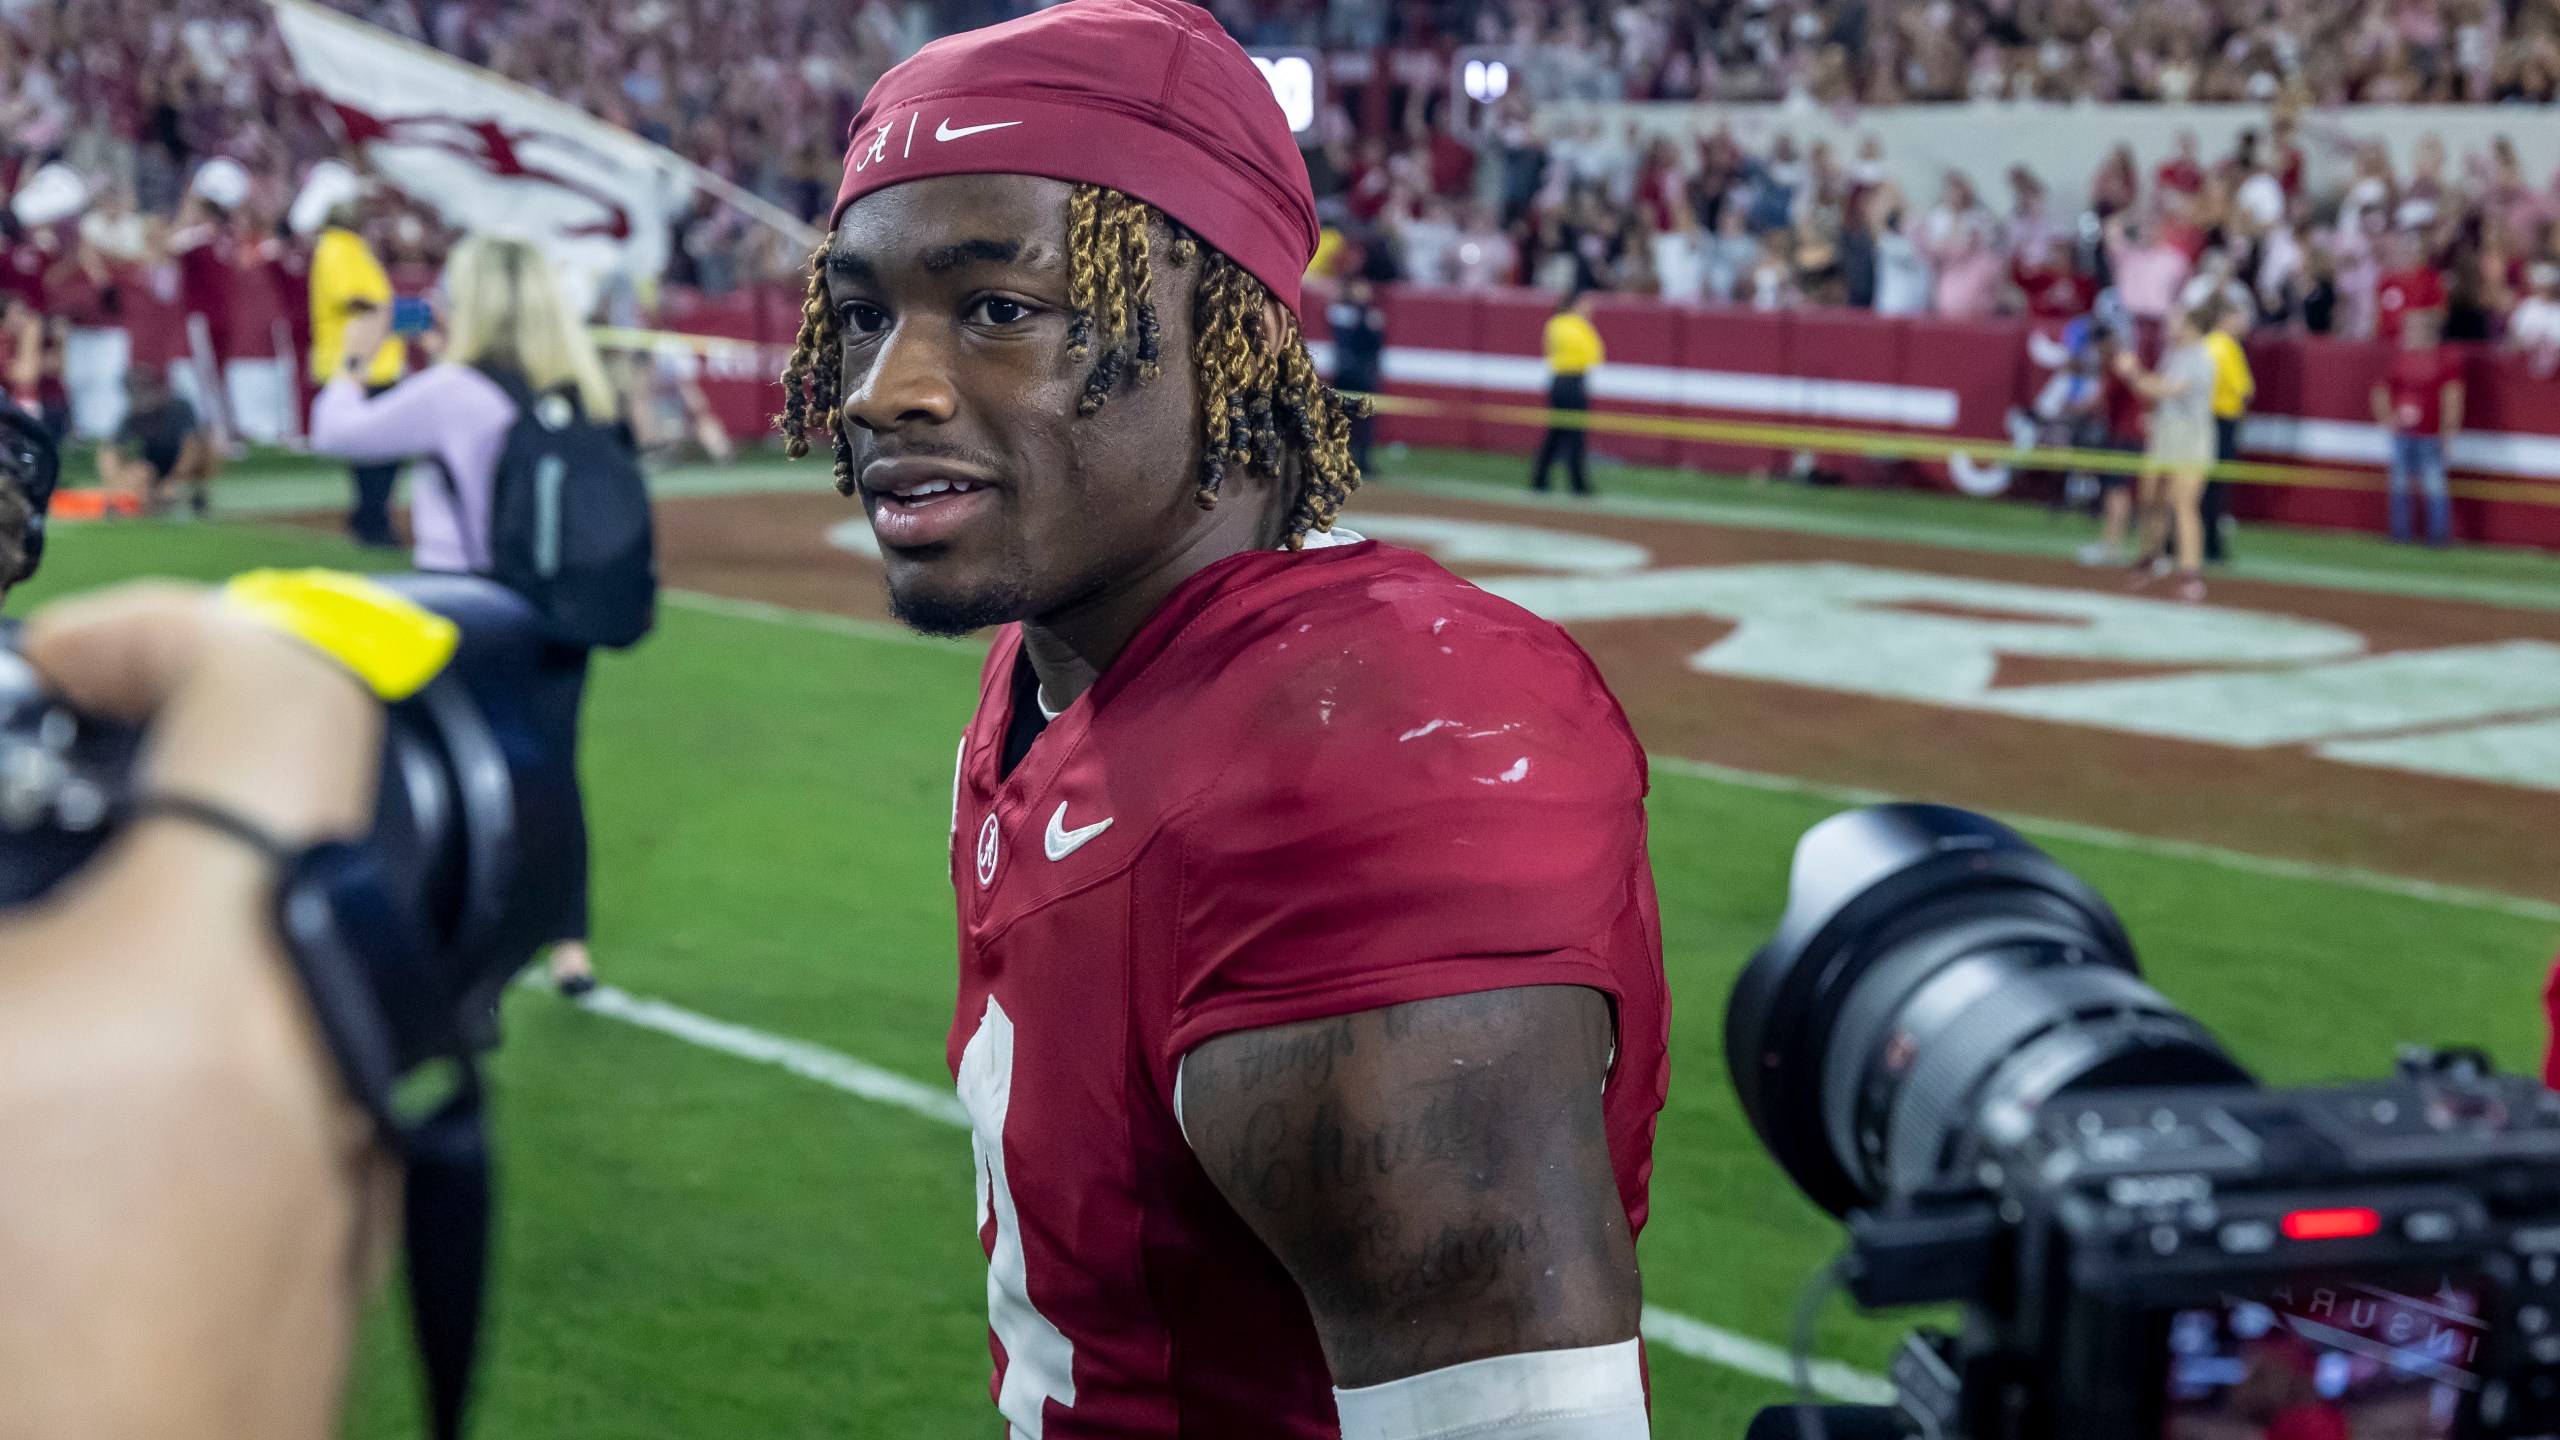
1262, 404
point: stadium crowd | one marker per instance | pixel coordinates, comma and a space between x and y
1790, 225
1885, 52
143, 98
136, 95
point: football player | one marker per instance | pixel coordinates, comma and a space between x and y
1311, 1010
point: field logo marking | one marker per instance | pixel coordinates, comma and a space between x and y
2248, 679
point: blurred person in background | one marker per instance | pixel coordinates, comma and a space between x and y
508, 329
2183, 172
2419, 400
1359, 325
31, 365
1573, 351
1961, 240
2407, 285
1858, 257
1731, 253
2233, 388
1902, 269
1484, 255
2319, 303
2149, 267
1771, 285
2121, 409
162, 446
348, 283
2180, 444
86, 292
2533, 327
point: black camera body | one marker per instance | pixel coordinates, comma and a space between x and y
2120, 1252
1948, 1044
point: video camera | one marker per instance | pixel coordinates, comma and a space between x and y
404, 939
1948, 1043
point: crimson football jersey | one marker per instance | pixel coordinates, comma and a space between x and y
1313, 784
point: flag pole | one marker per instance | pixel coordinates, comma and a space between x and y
791, 227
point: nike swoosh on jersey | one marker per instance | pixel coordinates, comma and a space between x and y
1062, 842
944, 131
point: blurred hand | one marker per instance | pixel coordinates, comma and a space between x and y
193, 1210
365, 332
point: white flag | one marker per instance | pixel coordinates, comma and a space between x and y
490, 155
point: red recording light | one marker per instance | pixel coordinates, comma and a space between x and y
2347, 1224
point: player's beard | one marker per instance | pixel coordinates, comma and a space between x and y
950, 615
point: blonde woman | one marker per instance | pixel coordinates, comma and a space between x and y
2182, 442
504, 318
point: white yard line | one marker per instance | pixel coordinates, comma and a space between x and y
864, 1080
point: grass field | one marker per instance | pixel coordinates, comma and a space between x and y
696, 1246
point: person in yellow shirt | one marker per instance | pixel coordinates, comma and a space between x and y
1573, 349
347, 280
2233, 388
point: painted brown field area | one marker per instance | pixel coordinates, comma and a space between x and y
2126, 758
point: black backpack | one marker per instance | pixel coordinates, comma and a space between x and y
569, 525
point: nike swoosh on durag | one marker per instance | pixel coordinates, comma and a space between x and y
1061, 842
944, 131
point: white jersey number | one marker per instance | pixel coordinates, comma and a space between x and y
1039, 1359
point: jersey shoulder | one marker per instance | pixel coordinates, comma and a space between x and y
1397, 786
1375, 657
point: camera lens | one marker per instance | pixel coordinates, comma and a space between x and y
478, 813
1936, 978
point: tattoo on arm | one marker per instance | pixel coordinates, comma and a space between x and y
1435, 1175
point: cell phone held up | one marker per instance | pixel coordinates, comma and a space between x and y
410, 315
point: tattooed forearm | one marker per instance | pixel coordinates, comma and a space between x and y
1435, 1175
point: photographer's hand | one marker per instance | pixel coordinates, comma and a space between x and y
191, 1211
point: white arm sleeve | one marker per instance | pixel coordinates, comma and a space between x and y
1594, 1393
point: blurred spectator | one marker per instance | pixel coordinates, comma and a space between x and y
2149, 267
2121, 406
2319, 304
2534, 327
2180, 443
2117, 185
2419, 400
1960, 240
1573, 352
2182, 173
2409, 286
1883, 52
187, 136
348, 283
1483, 254
31, 365
2233, 388
1902, 271
161, 446
1359, 326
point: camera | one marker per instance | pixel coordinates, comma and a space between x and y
30, 465
403, 939
1948, 1043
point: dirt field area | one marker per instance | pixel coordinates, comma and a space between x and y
2418, 737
